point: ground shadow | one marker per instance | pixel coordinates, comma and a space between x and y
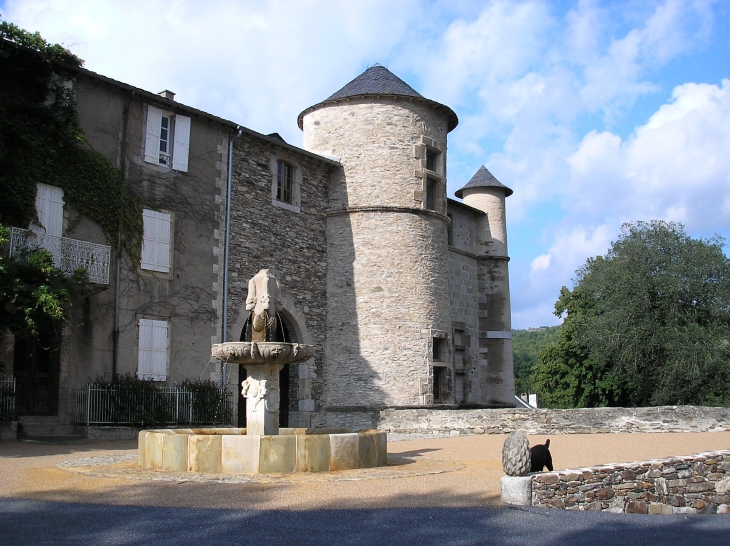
34, 522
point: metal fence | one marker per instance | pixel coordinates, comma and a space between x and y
96, 404
68, 254
7, 398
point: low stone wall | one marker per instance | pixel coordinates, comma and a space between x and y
693, 484
551, 421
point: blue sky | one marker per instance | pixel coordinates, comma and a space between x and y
594, 112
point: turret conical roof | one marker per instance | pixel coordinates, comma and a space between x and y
376, 80
381, 82
483, 179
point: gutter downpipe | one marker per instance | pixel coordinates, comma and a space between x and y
224, 333
122, 171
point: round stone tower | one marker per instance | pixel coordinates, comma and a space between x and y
485, 193
388, 323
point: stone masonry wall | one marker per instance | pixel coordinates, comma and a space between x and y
546, 421
465, 322
292, 244
694, 484
386, 303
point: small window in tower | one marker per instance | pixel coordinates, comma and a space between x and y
439, 384
284, 182
430, 160
437, 349
450, 230
431, 188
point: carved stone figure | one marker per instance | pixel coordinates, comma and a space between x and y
516, 455
255, 391
264, 302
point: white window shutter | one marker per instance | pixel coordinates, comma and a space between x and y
149, 239
49, 204
152, 360
181, 149
144, 364
152, 140
156, 241
164, 228
159, 350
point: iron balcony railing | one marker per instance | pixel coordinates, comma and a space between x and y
96, 404
68, 254
7, 398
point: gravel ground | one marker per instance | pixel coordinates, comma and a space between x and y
32, 488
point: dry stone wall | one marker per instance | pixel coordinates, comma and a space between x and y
548, 421
694, 484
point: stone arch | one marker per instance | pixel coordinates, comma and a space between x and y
297, 326
290, 313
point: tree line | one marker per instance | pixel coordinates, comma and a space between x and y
647, 324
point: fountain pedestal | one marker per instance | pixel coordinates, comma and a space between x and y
261, 390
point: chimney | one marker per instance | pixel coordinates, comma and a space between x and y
167, 94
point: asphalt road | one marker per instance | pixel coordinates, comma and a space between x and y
37, 522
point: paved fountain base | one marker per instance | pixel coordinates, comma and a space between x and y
231, 451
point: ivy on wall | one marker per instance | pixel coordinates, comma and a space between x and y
41, 141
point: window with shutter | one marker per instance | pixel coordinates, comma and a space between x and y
49, 205
167, 139
152, 353
156, 241
182, 144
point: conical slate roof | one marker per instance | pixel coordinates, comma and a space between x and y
376, 80
483, 179
381, 82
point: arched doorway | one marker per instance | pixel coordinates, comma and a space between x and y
295, 331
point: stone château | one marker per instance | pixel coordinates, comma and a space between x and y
403, 291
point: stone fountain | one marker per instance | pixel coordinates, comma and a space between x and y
262, 447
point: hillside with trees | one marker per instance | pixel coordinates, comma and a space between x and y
647, 324
526, 345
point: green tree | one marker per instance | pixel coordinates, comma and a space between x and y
648, 324
34, 295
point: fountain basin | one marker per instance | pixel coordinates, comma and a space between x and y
232, 451
261, 352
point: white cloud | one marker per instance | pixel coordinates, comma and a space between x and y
675, 167
257, 63
538, 90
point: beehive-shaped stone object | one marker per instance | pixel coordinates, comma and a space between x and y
516, 455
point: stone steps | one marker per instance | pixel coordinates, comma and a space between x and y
46, 429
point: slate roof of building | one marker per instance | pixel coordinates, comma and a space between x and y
381, 82
483, 179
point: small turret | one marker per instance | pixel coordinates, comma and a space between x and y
487, 194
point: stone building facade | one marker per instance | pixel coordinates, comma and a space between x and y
403, 292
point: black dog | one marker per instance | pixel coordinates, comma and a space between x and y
540, 457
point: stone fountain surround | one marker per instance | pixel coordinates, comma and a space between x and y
262, 447
232, 451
